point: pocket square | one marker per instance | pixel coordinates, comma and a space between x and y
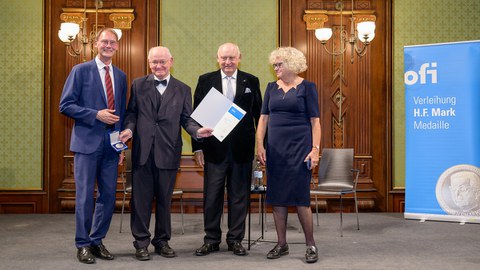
247, 90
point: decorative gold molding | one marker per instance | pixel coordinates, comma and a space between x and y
72, 18
315, 19
122, 20
101, 10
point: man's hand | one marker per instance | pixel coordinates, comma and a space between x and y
198, 155
125, 135
204, 132
107, 116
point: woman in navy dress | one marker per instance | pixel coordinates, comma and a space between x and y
290, 113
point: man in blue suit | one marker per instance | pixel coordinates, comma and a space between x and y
94, 96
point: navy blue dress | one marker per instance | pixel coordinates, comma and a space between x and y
289, 140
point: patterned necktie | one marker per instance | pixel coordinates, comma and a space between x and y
230, 94
108, 85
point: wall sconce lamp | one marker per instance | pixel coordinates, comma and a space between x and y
365, 32
75, 27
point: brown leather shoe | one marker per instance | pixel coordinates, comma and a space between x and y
141, 254
165, 251
206, 249
278, 251
84, 255
101, 252
237, 248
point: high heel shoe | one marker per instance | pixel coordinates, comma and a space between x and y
311, 255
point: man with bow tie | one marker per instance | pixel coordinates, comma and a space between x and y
159, 105
228, 163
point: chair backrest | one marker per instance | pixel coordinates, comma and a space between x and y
128, 170
335, 170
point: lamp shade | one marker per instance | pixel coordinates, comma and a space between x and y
366, 28
62, 36
119, 32
70, 29
323, 34
369, 37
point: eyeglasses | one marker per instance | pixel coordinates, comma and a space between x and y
106, 42
231, 58
277, 65
157, 62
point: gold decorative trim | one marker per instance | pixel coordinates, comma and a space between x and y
315, 21
101, 10
72, 18
122, 20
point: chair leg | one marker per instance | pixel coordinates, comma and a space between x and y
264, 205
259, 211
123, 210
181, 212
341, 216
356, 209
316, 208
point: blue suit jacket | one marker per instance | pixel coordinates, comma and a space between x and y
82, 97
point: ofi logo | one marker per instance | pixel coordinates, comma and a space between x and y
411, 77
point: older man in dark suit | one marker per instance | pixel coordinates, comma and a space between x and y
228, 163
159, 104
94, 96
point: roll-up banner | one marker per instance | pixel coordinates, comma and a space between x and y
442, 107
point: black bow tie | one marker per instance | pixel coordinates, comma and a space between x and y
164, 83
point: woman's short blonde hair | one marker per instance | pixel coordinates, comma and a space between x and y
293, 59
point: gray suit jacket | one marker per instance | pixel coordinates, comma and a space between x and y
159, 129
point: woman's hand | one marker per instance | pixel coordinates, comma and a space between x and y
313, 157
261, 154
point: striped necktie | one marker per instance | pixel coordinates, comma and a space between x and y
109, 86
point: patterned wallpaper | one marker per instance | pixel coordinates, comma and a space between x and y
193, 30
21, 73
423, 22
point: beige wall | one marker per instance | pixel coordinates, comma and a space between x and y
21, 87
193, 30
424, 22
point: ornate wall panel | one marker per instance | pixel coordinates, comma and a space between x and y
353, 97
135, 19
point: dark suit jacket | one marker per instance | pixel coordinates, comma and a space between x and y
242, 138
82, 97
160, 128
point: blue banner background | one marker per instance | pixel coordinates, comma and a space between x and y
431, 151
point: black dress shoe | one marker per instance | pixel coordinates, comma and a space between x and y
84, 255
206, 249
100, 251
237, 248
278, 251
165, 251
141, 254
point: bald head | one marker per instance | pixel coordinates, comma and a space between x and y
160, 60
228, 57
